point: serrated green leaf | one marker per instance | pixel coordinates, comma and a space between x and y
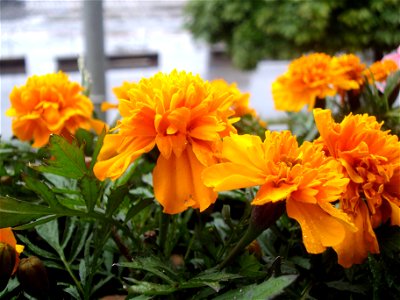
42, 190
266, 290
73, 291
68, 159
15, 212
153, 265
90, 189
214, 276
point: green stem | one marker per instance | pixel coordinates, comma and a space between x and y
250, 235
76, 281
261, 218
164, 224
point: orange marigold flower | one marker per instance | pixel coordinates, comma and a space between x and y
240, 100
371, 160
303, 176
50, 104
308, 79
7, 237
121, 92
380, 70
185, 117
347, 72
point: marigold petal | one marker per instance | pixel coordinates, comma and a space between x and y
117, 153
355, 246
7, 237
319, 229
178, 185
230, 176
270, 192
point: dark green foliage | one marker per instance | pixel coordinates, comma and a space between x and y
255, 30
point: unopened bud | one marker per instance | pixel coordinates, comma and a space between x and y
32, 275
7, 263
177, 261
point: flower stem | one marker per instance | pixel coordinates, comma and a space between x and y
249, 236
262, 217
164, 224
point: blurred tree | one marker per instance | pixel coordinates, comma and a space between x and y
257, 29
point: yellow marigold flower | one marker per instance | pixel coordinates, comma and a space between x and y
240, 100
380, 70
121, 92
347, 72
303, 176
371, 160
185, 117
308, 79
50, 104
7, 237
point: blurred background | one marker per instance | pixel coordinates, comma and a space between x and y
40, 37
247, 42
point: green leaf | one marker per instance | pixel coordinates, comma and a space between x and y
42, 190
346, 286
68, 159
82, 272
97, 148
135, 209
35, 249
15, 212
214, 276
392, 81
36, 222
49, 232
85, 139
153, 265
90, 189
72, 291
266, 290
115, 198
149, 288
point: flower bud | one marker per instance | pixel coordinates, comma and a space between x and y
177, 261
32, 275
7, 263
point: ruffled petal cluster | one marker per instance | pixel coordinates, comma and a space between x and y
348, 72
380, 70
50, 104
302, 176
240, 100
7, 237
308, 78
371, 160
185, 118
